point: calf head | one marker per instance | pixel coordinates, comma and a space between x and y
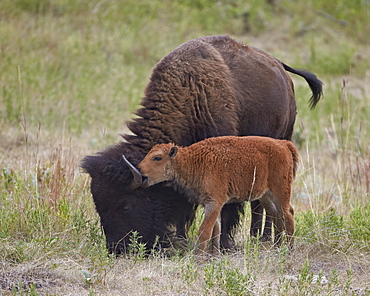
157, 166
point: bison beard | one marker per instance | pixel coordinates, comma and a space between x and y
207, 87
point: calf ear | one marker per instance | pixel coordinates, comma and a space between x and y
173, 152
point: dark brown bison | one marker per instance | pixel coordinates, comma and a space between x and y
207, 87
222, 170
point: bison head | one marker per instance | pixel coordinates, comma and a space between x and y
154, 212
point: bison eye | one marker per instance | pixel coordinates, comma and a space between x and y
157, 158
126, 208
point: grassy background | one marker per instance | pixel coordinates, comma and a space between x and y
72, 72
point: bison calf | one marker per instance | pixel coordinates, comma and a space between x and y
229, 169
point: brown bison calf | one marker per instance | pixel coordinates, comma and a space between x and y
229, 169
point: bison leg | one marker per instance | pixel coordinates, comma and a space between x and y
256, 223
183, 221
212, 210
230, 219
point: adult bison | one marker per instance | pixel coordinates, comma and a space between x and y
209, 86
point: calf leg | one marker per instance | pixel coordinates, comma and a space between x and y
277, 205
285, 212
288, 214
216, 235
211, 213
273, 210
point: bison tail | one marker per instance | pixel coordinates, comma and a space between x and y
295, 156
314, 83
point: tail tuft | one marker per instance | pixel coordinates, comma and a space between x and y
314, 83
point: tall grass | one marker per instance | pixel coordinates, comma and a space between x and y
73, 71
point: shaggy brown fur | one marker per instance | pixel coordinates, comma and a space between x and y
214, 86
229, 169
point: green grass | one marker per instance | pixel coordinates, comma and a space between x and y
72, 72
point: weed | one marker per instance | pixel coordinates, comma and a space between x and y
88, 277
137, 249
220, 277
360, 224
190, 272
22, 289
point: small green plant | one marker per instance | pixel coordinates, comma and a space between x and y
360, 224
220, 276
88, 277
305, 277
25, 290
137, 248
349, 280
190, 272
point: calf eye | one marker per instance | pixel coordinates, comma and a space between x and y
157, 158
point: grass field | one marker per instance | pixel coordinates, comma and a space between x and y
72, 72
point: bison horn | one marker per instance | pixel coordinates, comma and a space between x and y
136, 183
